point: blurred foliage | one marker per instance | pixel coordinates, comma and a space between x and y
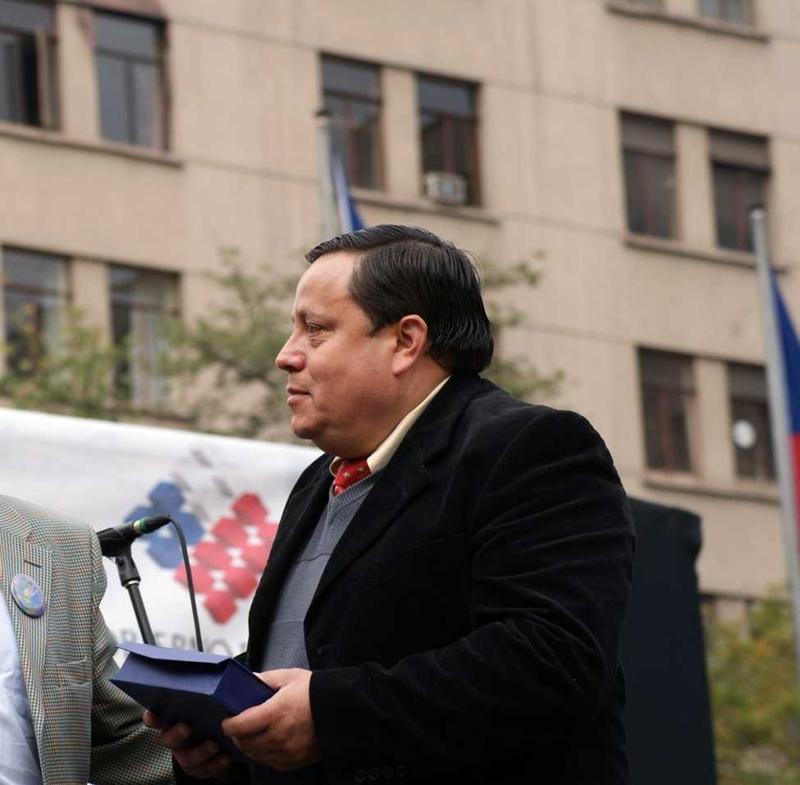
74, 377
756, 697
227, 355
515, 374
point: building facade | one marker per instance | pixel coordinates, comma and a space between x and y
618, 144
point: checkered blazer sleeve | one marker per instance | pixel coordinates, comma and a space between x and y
123, 749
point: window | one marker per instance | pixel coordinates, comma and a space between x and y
736, 11
668, 398
648, 151
449, 130
35, 296
141, 303
130, 73
351, 94
750, 427
27, 62
740, 168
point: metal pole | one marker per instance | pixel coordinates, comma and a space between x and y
779, 416
130, 580
330, 218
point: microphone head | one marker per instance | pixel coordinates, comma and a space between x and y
149, 524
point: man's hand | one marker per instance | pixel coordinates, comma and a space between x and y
202, 761
278, 733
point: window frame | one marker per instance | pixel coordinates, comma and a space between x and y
449, 120
161, 125
44, 42
742, 165
350, 156
687, 393
644, 175
764, 458
128, 387
62, 295
723, 13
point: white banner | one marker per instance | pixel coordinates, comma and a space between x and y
227, 494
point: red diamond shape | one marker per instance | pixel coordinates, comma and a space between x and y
231, 531
212, 555
241, 581
255, 556
200, 575
249, 507
220, 605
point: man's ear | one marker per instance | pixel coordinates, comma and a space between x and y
411, 334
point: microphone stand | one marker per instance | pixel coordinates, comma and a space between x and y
130, 579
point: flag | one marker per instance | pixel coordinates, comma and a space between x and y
790, 354
349, 219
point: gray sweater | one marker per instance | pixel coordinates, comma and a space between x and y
286, 645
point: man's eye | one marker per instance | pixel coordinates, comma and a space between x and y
311, 329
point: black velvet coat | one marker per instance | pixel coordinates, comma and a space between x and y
467, 626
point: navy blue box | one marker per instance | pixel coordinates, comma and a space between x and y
197, 688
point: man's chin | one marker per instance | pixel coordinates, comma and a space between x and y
302, 430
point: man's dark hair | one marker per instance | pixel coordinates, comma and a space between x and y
406, 270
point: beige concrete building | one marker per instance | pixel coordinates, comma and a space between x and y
617, 144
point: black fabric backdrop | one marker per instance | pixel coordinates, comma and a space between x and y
668, 718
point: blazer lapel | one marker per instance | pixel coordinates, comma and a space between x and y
20, 555
403, 479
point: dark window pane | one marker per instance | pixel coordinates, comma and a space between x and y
710, 8
736, 11
649, 164
114, 99
668, 399
446, 96
130, 74
34, 298
351, 98
346, 76
448, 130
141, 302
742, 150
750, 425
650, 194
146, 103
10, 78
19, 90
26, 16
736, 192
125, 36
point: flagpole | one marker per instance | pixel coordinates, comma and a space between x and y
329, 224
779, 416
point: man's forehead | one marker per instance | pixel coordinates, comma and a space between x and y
330, 274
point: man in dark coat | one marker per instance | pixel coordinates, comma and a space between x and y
445, 596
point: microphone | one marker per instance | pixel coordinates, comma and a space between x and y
117, 538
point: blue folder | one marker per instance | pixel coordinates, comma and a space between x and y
197, 688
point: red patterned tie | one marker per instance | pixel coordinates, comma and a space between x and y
348, 473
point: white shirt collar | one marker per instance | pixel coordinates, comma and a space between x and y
388, 447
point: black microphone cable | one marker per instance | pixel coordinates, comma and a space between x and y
189, 583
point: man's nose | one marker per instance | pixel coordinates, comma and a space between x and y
289, 358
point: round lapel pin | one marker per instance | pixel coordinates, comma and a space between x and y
27, 595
